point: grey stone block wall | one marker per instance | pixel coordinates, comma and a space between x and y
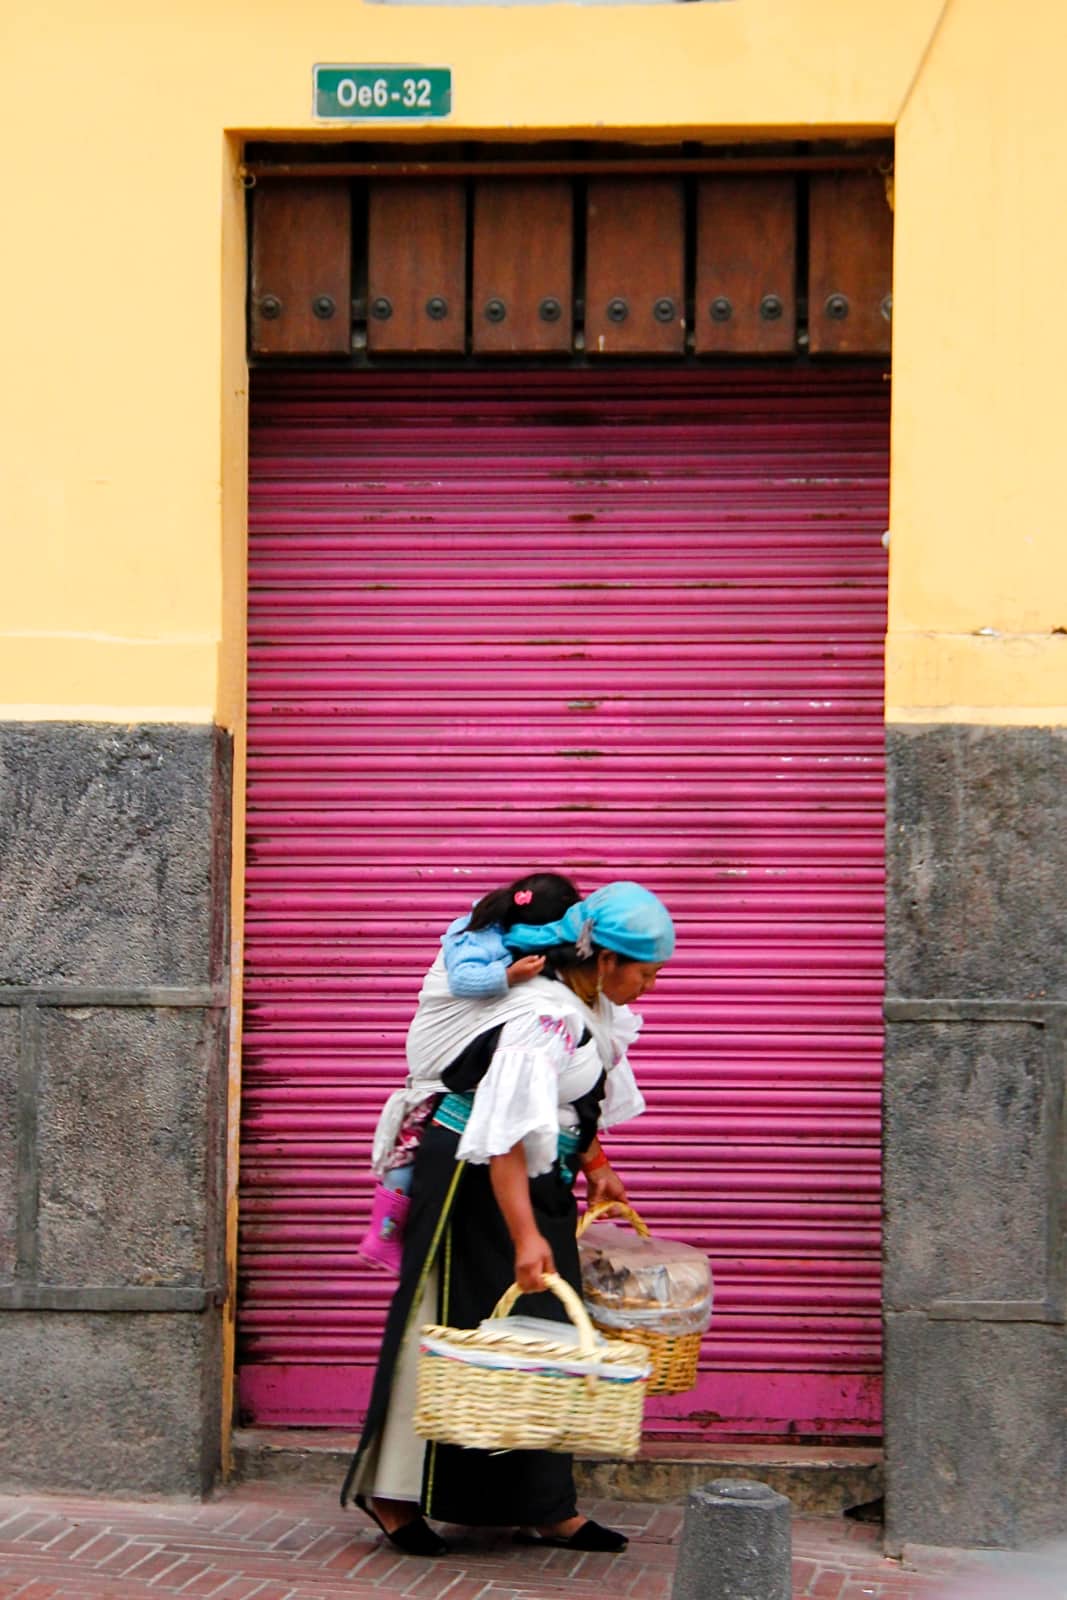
975, 857
972, 1120
976, 1354
975, 1450
9, 1057
114, 857
125, 1191
109, 845
120, 1402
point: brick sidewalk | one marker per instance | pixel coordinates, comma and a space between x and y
277, 1542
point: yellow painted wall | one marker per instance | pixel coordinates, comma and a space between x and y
122, 392
978, 555
122, 395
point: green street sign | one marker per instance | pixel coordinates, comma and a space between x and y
381, 94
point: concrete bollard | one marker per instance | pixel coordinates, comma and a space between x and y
736, 1543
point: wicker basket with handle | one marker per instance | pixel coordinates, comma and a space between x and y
674, 1356
522, 1386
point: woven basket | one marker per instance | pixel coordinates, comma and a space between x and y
674, 1356
522, 1390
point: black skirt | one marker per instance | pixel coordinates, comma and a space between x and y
455, 1223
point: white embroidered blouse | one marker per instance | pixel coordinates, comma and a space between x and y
539, 1068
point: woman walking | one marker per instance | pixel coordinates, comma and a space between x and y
492, 1202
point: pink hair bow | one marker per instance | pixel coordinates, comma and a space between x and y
523, 897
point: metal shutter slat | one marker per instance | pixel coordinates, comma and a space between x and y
621, 624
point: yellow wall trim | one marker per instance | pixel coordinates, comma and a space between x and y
978, 716
1011, 679
125, 716
72, 677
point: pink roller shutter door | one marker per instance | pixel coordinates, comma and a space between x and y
623, 625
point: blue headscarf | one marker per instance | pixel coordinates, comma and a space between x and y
622, 917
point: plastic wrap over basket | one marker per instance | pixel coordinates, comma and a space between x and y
652, 1291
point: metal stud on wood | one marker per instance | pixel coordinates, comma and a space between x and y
523, 260
301, 269
850, 268
746, 265
635, 272
416, 263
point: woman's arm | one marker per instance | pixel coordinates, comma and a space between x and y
511, 1186
517, 1099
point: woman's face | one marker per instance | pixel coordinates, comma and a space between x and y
622, 980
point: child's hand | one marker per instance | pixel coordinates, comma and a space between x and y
525, 968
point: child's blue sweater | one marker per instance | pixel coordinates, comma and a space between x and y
476, 963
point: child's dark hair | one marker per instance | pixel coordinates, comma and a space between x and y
539, 898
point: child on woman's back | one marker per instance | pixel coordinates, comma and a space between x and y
478, 966
478, 963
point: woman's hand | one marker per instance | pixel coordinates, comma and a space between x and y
603, 1186
533, 1258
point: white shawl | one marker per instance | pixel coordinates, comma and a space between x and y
443, 1026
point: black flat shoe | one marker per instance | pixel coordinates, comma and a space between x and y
590, 1536
415, 1538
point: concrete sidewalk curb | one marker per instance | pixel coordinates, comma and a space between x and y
819, 1481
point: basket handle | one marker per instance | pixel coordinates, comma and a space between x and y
571, 1304
594, 1212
